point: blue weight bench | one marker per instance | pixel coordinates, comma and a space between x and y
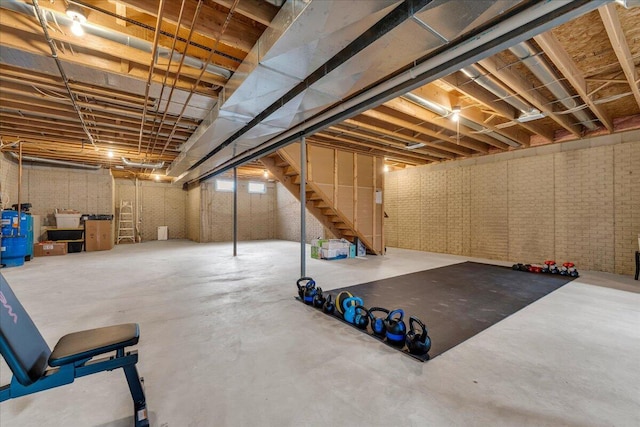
28, 355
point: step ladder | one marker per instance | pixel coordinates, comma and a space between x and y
126, 230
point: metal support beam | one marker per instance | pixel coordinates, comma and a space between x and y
303, 206
235, 208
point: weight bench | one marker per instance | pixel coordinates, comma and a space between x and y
28, 355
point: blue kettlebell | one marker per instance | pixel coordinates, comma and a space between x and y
396, 329
349, 305
362, 317
377, 323
302, 285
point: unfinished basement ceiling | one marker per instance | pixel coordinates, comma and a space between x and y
193, 88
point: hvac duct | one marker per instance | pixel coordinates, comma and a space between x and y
55, 162
129, 163
474, 74
530, 58
142, 45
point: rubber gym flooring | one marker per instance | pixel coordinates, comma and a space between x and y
457, 301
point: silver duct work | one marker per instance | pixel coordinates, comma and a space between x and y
530, 20
474, 74
54, 55
530, 58
55, 162
129, 163
142, 45
444, 112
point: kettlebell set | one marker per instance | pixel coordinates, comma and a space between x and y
389, 327
550, 267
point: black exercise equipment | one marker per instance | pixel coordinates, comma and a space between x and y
329, 307
308, 282
318, 299
396, 328
377, 323
362, 317
349, 308
27, 354
418, 342
339, 300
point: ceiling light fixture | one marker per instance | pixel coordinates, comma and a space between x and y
414, 146
386, 168
455, 113
110, 154
157, 177
77, 16
265, 174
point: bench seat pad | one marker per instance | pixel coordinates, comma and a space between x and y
87, 344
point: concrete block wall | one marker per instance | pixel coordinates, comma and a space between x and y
193, 213
48, 188
256, 213
160, 205
287, 219
578, 201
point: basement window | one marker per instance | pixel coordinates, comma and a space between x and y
224, 185
257, 187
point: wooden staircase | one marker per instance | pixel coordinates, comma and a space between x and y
318, 203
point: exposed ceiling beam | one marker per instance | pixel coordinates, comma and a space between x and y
525, 89
237, 34
452, 147
620, 46
257, 10
410, 109
466, 86
556, 53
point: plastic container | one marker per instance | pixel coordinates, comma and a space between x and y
68, 220
10, 228
13, 250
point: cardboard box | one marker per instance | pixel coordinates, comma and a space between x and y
352, 251
330, 254
316, 252
97, 235
49, 249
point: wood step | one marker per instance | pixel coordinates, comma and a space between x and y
327, 211
313, 196
289, 171
321, 204
348, 233
296, 180
342, 226
334, 218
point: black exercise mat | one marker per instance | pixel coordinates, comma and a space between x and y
457, 301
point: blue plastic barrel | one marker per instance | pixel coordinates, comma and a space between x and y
10, 228
13, 250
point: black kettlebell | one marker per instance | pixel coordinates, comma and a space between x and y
396, 328
302, 286
329, 307
318, 299
377, 323
361, 320
418, 343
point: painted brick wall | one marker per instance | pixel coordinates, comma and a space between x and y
256, 213
577, 201
287, 218
161, 204
48, 188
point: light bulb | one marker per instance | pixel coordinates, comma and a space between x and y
386, 168
455, 113
157, 177
76, 28
455, 117
265, 174
110, 154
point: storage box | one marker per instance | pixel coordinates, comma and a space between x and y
316, 252
335, 244
97, 236
49, 249
352, 251
67, 220
330, 254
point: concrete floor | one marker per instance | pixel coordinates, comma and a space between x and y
223, 343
